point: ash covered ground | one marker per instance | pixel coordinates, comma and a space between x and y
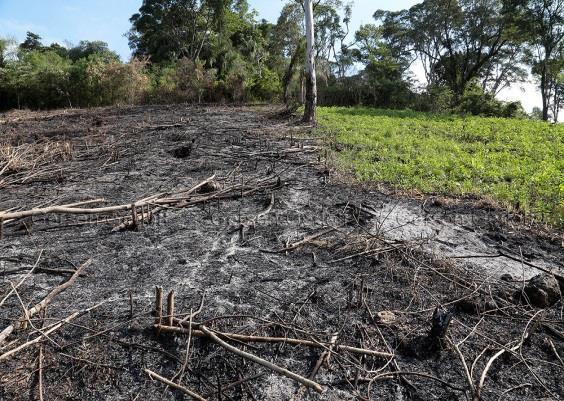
279, 244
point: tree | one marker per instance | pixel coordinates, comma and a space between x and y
556, 84
87, 48
4, 43
457, 41
311, 81
543, 21
287, 45
31, 42
169, 30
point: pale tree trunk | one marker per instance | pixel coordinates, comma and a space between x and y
311, 83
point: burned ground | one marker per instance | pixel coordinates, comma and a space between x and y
370, 273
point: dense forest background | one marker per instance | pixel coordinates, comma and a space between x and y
217, 51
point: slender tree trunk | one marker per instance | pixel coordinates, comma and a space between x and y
544, 91
302, 87
311, 82
289, 73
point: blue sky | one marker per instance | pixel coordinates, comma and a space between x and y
69, 21
73, 20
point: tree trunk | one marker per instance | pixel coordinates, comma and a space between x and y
544, 94
289, 73
311, 82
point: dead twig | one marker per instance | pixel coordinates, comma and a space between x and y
22, 324
37, 339
259, 339
300, 379
304, 241
175, 386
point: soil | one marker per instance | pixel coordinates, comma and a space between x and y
375, 267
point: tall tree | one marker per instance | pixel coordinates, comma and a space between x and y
166, 30
544, 23
3, 48
456, 40
311, 79
31, 42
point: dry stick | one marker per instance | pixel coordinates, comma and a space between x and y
21, 282
291, 341
22, 324
555, 352
170, 308
37, 339
186, 354
192, 315
464, 365
324, 357
478, 391
76, 210
158, 305
371, 252
70, 208
515, 259
81, 203
169, 383
40, 372
304, 241
306, 382
134, 219
152, 199
514, 388
54, 292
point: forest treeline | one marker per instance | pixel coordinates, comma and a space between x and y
218, 51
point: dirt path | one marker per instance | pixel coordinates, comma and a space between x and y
384, 253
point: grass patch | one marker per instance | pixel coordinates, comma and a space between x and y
517, 162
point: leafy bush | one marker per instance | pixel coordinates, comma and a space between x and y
37, 80
266, 86
182, 81
97, 82
476, 102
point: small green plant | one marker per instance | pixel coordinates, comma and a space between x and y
518, 162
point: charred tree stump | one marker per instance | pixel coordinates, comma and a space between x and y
439, 326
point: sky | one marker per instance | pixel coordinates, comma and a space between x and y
69, 21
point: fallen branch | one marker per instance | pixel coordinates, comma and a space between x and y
300, 379
148, 216
22, 324
304, 241
69, 209
259, 339
37, 339
21, 281
178, 387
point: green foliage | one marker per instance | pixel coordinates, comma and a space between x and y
456, 41
517, 162
87, 48
474, 101
182, 81
266, 86
31, 42
37, 79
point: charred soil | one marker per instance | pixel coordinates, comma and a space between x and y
242, 215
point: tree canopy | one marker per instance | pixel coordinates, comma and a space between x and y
217, 50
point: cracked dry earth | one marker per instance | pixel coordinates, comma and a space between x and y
372, 270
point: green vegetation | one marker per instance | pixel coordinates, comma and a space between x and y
219, 51
518, 162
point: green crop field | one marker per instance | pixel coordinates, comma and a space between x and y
517, 162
